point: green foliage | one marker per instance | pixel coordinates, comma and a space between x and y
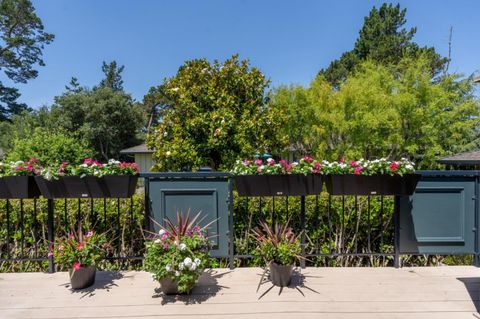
107, 119
391, 112
22, 39
179, 253
82, 248
113, 76
51, 147
382, 39
276, 244
216, 114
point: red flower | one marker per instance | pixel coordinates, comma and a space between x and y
80, 245
394, 166
308, 158
316, 167
77, 265
353, 163
358, 169
105, 245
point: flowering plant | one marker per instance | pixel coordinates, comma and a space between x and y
179, 253
278, 244
89, 167
366, 167
308, 165
80, 249
20, 168
305, 165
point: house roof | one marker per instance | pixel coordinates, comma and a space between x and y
476, 80
467, 158
139, 149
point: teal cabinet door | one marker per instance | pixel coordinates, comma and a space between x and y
439, 218
209, 197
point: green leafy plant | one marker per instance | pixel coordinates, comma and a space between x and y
20, 168
80, 249
178, 252
278, 244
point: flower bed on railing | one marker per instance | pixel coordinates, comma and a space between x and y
305, 177
89, 179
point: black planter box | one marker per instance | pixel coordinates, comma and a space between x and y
64, 187
18, 187
350, 184
119, 186
278, 185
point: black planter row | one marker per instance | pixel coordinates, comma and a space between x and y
116, 186
347, 184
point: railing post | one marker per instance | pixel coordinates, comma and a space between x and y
303, 236
476, 256
231, 260
51, 234
146, 218
396, 225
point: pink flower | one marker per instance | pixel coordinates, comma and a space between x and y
80, 246
342, 160
164, 236
77, 265
358, 169
270, 161
246, 162
50, 254
258, 162
308, 158
165, 246
105, 245
89, 234
316, 167
394, 166
260, 169
71, 236
353, 163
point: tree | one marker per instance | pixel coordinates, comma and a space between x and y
50, 147
22, 41
107, 119
383, 39
113, 76
216, 113
391, 111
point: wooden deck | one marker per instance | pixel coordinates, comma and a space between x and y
443, 292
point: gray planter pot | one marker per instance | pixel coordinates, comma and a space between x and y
82, 278
280, 275
169, 287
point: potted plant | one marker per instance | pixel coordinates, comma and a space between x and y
17, 179
80, 252
177, 254
90, 179
280, 249
374, 177
269, 178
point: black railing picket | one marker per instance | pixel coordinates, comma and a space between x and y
369, 225
273, 211
381, 222
65, 216
22, 229
35, 228
118, 228
317, 224
105, 214
7, 208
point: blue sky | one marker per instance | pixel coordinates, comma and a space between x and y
288, 40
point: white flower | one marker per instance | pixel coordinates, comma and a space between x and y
168, 153
197, 261
177, 273
168, 268
187, 261
181, 266
182, 246
175, 89
161, 232
193, 266
157, 241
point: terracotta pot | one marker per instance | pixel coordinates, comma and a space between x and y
280, 275
82, 278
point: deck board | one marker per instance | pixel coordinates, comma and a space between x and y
435, 292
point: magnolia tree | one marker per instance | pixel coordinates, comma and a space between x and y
213, 114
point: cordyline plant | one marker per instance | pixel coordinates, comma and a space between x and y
308, 165
80, 249
278, 244
179, 252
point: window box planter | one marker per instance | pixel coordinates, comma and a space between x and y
82, 278
18, 187
119, 186
64, 187
350, 184
278, 185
